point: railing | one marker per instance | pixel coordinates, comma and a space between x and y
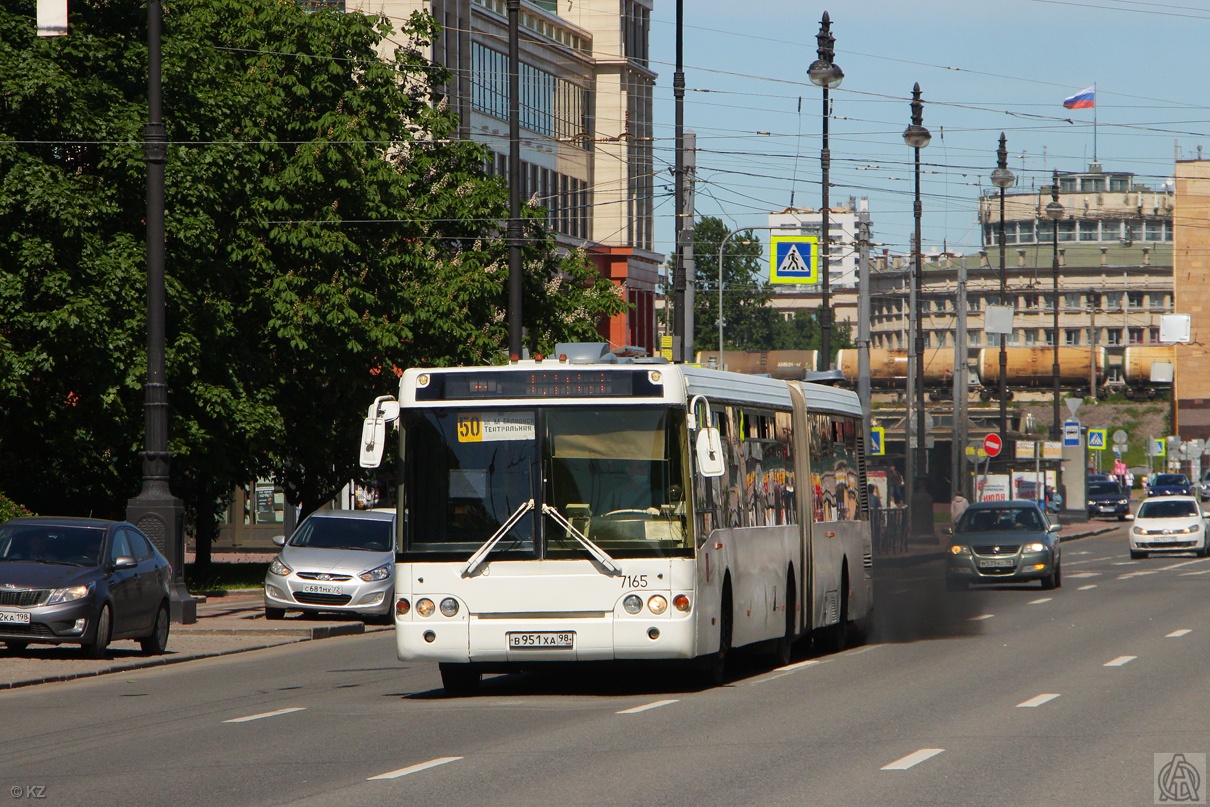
889, 531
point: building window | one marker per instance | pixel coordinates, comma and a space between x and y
1158, 300
1067, 230
1071, 336
1113, 336
1031, 338
1113, 299
1134, 299
1120, 184
1153, 230
1072, 301
1029, 300
993, 339
1090, 231
1153, 335
1050, 338
973, 338
974, 302
1136, 336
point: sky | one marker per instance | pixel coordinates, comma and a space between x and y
984, 67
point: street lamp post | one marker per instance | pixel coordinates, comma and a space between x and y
1054, 212
155, 511
826, 75
917, 137
1003, 179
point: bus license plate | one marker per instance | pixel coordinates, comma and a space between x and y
14, 617
544, 640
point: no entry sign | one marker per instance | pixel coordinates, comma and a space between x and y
992, 445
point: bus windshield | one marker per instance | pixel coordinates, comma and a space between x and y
615, 475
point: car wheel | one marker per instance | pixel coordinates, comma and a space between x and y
1137, 555
1051, 580
100, 643
274, 613
157, 641
1058, 574
460, 679
16, 646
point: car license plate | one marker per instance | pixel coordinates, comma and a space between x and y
14, 617
312, 588
543, 640
997, 563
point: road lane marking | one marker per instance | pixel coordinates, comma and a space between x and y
1039, 602
1038, 700
423, 766
914, 758
1079, 575
1191, 574
1085, 588
1179, 565
1176, 634
1119, 661
644, 707
263, 715
1139, 573
1126, 563
980, 617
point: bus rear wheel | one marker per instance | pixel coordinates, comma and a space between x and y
783, 648
460, 679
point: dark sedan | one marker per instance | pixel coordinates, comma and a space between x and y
1170, 485
1004, 542
81, 581
1108, 499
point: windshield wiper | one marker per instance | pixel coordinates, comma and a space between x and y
600, 554
482, 552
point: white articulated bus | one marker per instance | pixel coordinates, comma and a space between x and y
594, 508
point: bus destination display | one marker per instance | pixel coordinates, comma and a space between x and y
539, 384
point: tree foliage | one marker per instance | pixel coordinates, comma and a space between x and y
325, 228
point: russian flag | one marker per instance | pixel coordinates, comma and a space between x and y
1084, 99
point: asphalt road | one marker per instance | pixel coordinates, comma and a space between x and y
1008, 696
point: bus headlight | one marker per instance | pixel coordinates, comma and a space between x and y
449, 607
633, 603
680, 602
402, 606
425, 607
657, 604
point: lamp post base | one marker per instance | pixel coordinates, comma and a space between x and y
161, 517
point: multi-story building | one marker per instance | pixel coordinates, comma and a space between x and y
586, 123
1192, 292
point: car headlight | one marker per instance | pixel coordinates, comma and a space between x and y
61, 595
960, 549
1123, 501
278, 568
1191, 528
1136, 531
382, 572
1036, 546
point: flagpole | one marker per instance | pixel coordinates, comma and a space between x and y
1094, 123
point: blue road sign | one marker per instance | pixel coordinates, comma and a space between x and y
794, 259
877, 441
1096, 439
1071, 432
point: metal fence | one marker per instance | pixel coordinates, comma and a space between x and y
889, 530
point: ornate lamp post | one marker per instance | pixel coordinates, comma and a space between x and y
917, 137
1054, 212
1003, 179
827, 75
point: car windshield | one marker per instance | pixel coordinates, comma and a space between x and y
1104, 489
1171, 479
999, 519
44, 543
1167, 509
372, 535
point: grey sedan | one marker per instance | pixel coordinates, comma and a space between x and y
1004, 542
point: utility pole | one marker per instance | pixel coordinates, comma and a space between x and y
961, 387
514, 181
687, 225
678, 274
863, 309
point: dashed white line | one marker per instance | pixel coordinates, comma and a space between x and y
1192, 574
1039, 602
1079, 575
1120, 661
1176, 634
1038, 700
914, 758
263, 715
1085, 588
644, 707
423, 766
1126, 563
1179, 565
1139, 573
980, 618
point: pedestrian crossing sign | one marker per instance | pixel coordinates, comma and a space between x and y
877, 441
1096, 439
794, 259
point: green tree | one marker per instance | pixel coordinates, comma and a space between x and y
749, 323
325, 228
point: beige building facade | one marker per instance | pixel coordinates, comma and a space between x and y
1191, 270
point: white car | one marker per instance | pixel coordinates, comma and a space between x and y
1169, 524
336, 561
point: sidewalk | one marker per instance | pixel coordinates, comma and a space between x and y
230, 624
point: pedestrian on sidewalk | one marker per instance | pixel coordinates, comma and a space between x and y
957, 507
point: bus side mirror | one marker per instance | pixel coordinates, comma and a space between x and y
384, 410
709, 453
